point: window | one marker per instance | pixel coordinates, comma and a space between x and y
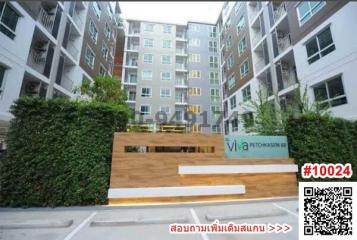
215, 96
179, 115
97, 9
145, 92
242, 46
195, 74
330, 93
148, 43
213, 62
93, 32
149, 27
246, 94
2, 77
244, 69
166, 59
148, 58
165, 109
107, 31
147, 75
234, 123
8, 19
321, 45
194, 27
166, 76
166, 43
194, 108
213, 78
194, 91
229, 41
241, 24
167, 29
165, 92
212, 46
216, 112
89, 57
194, 42
308, 9
196, 128
212, 31
194, 57
105, 51
145, 110
216, 128
231, 82
248, 119
230, 62
233, 102
102, 70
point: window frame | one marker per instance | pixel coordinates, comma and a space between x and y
13, 32
246, 97
165, 96
148, 54
310, 12
149, 108
240, 68
148, 46
319, 51
146, 95
142, 75
85, 56
162, 78
162, 59
235, 102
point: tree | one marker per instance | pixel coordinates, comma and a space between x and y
104, 89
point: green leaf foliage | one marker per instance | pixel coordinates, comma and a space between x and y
323, 139
59, 152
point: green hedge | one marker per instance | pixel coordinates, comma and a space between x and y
317, 139
59, 152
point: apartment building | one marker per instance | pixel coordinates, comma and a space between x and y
171, 74
42, 50
102, 27
283, 47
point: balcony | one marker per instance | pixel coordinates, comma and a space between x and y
286, 71
181, 100
258, 31
131, 97
131, 79
77, 20
281, 38
255, 8
181, 67
261, 57
278, 11
181, 52
133, 48
67, 82
181, 37
132, 63
46, 19
33, 87
181, 83
284, 41
41, 53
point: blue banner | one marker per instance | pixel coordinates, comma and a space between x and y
249, 147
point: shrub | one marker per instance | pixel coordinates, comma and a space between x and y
323, 139
59, 152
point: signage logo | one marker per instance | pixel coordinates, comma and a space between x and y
234, 146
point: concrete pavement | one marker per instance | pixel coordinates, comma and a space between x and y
145, 222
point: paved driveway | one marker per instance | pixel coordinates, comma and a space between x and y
145, 222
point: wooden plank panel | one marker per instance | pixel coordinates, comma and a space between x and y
134, 170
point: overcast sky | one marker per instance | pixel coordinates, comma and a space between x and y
172, 12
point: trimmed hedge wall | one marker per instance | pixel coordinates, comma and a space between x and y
59, 152
316, 139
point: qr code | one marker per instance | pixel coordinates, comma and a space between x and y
328, 211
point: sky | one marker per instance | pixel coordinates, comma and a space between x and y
172, 12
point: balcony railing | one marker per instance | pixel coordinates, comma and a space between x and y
287, 79
133, 47
181, 36
279, 11
260, 64
131, 80
181, 82
37, 59
77, 20
181, 100
257, 36
181, 66
134, 31
46, 19
72, 49
284, 43
132, 63
67, 83
180, 51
